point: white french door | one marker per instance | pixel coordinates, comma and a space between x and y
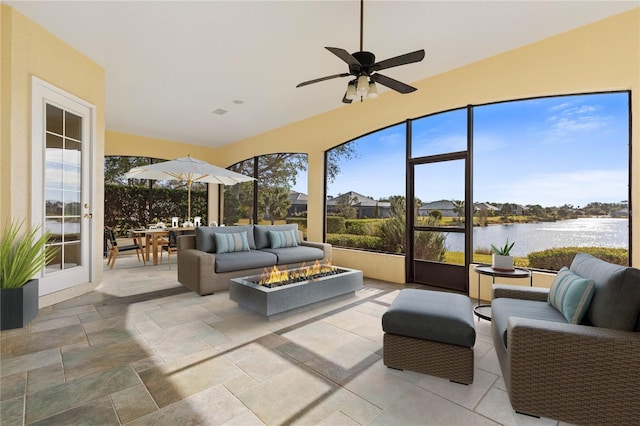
62, 138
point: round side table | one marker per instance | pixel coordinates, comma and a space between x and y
484, 310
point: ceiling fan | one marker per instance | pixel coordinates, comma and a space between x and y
364, 68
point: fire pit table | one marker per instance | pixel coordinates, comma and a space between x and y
298, 288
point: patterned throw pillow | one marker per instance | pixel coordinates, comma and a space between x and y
231, 242
571, 295
283, 239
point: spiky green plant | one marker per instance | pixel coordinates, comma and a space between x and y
503, 251
22, 255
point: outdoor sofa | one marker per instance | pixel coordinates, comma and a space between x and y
583, 373
212, 256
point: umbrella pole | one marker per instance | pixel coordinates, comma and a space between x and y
189, 199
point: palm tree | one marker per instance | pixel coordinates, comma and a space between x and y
458, 207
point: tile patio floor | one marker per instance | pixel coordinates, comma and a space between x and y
143, 350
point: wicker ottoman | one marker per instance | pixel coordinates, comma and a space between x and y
430, 332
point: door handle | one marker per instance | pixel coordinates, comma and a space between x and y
88, 215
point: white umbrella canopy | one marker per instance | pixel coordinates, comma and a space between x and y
190, 170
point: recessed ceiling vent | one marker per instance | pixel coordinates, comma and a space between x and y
220, 111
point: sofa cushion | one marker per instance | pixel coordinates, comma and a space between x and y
571, 295
616, 300
205, 240
261, 233
503, 308
296, 254
231, 242
227, 262
283, 239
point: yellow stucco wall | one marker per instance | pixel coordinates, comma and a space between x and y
28, 50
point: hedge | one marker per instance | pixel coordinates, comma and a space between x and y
301, 221
336, 225
357, 227
367, 242
127, 207
556, 258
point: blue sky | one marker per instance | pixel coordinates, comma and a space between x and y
550, 151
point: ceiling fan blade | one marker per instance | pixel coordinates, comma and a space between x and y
345, 56
392, 84
317, 80
407, 58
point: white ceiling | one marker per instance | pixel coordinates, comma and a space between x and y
169, 65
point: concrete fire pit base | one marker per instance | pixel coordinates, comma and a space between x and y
272, 301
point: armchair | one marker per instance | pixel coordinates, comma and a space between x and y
587, 373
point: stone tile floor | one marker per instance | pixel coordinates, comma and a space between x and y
143, 350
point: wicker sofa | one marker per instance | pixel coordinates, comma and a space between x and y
586, 373
203, 268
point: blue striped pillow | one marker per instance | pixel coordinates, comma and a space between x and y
231, 242
571, 295
283, 239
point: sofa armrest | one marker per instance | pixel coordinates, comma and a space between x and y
520, 292
575, 373
196, 269
325, 247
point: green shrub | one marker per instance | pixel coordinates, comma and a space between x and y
357, 227
301, 221
367, 242
556, 258
336, 225
436, 214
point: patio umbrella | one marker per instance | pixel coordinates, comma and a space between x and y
190, 170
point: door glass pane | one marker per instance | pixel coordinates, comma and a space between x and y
71, 229
53, 202
54, 120
72, 126
439, 191
439, 133
72, 255
72, 203
54, 226
63, 177
56, 263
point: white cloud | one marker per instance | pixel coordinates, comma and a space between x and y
568, 120
559, 107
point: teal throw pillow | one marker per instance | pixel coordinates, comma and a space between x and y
571, 295
283, 239
231, 242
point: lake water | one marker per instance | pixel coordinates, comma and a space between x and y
588, 232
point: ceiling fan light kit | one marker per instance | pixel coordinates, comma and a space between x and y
363, 66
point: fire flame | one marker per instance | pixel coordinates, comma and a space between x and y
275, 275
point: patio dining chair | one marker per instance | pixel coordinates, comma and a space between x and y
113, 248
170, 245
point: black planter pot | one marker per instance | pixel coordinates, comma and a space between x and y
18, 306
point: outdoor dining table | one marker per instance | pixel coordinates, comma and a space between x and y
153, 238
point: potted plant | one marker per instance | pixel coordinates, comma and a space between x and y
500, 258
22, 255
